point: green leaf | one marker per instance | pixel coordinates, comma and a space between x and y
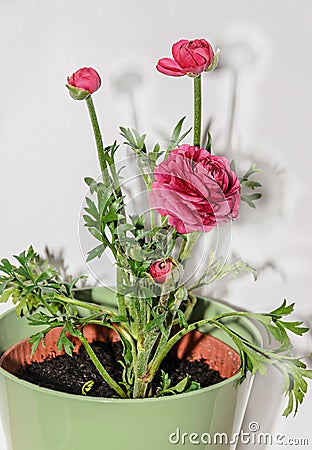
295, 327
233, 165
181, 293
6, 266
46, 275
133, 139
22, 308
209, 142
92, 209
157, 322
64, 342
6, 295
215, 61
165, 380
182, 320
177, 131
181, 385
40, 318
283, 310
3, 286
249, 199
89, 181
280, 334
111, 216
118, 319
89, 222
194, 386
251, 171
35, 340
251, 184
288, 410
95, 233
48, 292
185, 385
96, 252
175, 137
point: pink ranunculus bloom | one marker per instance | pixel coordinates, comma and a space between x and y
160, 270
86, 79
197, 190
189, 58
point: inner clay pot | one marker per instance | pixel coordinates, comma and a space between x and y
193, 346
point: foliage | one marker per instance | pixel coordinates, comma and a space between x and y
39, 294
185, 385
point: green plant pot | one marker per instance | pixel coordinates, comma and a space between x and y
36, 418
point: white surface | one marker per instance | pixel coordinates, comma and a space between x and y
47, 147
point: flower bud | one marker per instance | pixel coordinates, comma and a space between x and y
83, 83
160, 269
189, 58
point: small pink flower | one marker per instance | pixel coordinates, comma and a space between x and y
197, 190
83, 82
160, 270
189, 58
85, 78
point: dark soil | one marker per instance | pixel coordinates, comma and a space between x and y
69, 374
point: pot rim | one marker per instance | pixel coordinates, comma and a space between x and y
54, 393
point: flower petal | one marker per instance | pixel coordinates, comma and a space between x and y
177, 46
168, 66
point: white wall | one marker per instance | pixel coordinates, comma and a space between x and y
46, 145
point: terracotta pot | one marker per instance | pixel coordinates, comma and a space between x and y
36, 418
194, 346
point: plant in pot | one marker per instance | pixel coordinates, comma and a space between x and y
154, 363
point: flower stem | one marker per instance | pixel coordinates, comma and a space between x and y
144, 352
197, 111
120, 296
100, 368
98, 140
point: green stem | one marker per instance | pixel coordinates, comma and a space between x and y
100, 368
122, 331
141, 375
197, 111
90, 306
98, 140
120, 296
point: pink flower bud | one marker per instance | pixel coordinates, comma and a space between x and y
189, 58
160, 270
83, 82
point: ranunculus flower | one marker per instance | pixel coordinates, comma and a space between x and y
160, 269
196, 189
83, 82
189, 58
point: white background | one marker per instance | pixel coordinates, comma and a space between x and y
46, 145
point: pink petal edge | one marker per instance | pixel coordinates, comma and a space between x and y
168, 66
